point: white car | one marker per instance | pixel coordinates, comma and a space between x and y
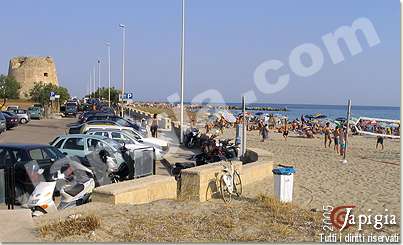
125, 138
158, 144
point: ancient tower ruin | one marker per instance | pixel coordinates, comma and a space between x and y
29, 70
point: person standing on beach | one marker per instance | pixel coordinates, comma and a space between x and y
154, 126
327, 132
264, 131
342, 140
285, 132
379, 139
336, 134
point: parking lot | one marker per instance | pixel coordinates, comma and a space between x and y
36, 131
44, 131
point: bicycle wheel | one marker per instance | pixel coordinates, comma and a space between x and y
237, 184
225, 194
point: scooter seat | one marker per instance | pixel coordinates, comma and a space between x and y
74, 190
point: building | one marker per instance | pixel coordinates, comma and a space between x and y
29, 70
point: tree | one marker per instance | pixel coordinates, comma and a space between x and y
103, 92
9, 88
41, 92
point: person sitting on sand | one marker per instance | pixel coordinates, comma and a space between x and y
327, 132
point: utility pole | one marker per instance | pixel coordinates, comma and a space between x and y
99, 80
182, 69
93, 79
89, 94
123, 62
347, 127
109, 73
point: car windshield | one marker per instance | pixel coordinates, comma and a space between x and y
70, 104
133, 134
115, 145
2, 116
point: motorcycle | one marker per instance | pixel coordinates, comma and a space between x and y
214, 151
191, 138
77, 183
124, 171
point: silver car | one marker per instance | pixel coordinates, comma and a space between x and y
23, 115
3, 125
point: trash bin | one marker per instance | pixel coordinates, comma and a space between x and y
283, 182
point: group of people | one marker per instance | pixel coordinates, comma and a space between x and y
339, 138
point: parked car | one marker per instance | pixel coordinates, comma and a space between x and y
82, 145
35, 112
121, 121
11, 120
23, 156
3, 123
76, 128
84, 116
13, 107
37, 105
23, 115
126, 139
159, 144
71, 109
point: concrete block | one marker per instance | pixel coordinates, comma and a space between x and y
137, 191
201, 183
256, 171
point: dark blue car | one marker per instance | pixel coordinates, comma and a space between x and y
22, 156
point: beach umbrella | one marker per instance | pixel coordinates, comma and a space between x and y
228, 116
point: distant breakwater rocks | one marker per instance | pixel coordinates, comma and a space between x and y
257, 108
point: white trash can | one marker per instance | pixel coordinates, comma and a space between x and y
283, 183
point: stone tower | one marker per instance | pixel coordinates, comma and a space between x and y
29, 70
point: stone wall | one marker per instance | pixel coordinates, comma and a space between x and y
28, 70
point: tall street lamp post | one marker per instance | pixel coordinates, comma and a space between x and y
109, 73
123, 62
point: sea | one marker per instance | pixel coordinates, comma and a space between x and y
331, 111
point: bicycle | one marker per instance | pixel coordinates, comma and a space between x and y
230, 182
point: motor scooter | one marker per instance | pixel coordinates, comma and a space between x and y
77, 190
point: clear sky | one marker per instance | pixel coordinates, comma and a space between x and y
225, 41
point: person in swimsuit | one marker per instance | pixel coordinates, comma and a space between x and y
336, 134
327, 132
379, 139
342, 141
285, 132
264, 131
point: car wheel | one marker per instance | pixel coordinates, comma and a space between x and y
23, 121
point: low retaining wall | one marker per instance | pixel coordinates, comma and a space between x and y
137, 191
202, 183
256, 171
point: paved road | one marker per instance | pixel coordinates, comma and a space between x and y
36, 131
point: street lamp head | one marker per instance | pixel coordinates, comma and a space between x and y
122, 26
108, 44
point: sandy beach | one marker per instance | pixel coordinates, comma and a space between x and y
370, 179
